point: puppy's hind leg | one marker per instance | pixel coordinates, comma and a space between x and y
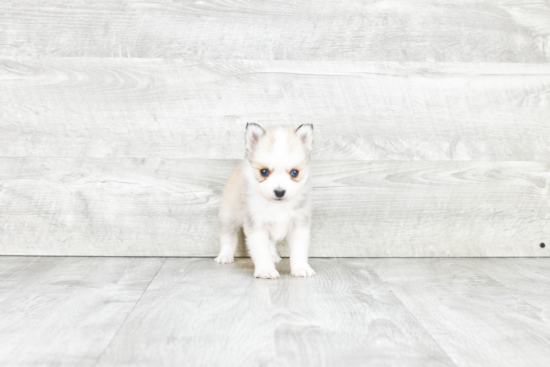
228, 244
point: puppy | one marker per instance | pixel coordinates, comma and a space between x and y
268, 195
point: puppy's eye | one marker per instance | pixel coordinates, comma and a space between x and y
264, 172
294, 173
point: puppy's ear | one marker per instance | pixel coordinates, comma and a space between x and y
305, 134
252, 136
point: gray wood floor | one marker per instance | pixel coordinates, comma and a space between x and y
193, 312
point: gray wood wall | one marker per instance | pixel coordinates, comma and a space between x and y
121, 120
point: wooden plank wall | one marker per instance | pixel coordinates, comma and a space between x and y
121, 120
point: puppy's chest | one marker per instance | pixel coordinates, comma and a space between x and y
276, 220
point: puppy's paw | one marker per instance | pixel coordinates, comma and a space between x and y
224, 259
266, 273
276, 258
302, 271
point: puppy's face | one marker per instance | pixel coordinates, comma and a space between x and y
279, 159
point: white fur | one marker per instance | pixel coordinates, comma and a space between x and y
249, 200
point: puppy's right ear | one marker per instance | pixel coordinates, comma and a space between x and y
252, 136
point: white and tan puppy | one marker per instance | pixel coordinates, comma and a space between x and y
268, 195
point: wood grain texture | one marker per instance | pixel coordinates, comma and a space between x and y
168, 207
399, 30
477, 316
94, 107
65, 311
353, 312
524, 279
199, 313
345, 315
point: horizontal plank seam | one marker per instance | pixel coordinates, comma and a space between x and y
211, 60
284, 257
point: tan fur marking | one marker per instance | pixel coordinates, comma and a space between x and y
268, 140
300, 167
257, 168
267, 143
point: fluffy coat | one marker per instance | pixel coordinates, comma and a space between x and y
268, 195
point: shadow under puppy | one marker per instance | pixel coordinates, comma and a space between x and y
268, 195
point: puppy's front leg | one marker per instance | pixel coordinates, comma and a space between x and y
298, 241
228, 245
259, 246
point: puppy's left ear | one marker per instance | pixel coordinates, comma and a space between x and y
305, 134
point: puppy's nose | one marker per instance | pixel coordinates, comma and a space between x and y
279, 193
